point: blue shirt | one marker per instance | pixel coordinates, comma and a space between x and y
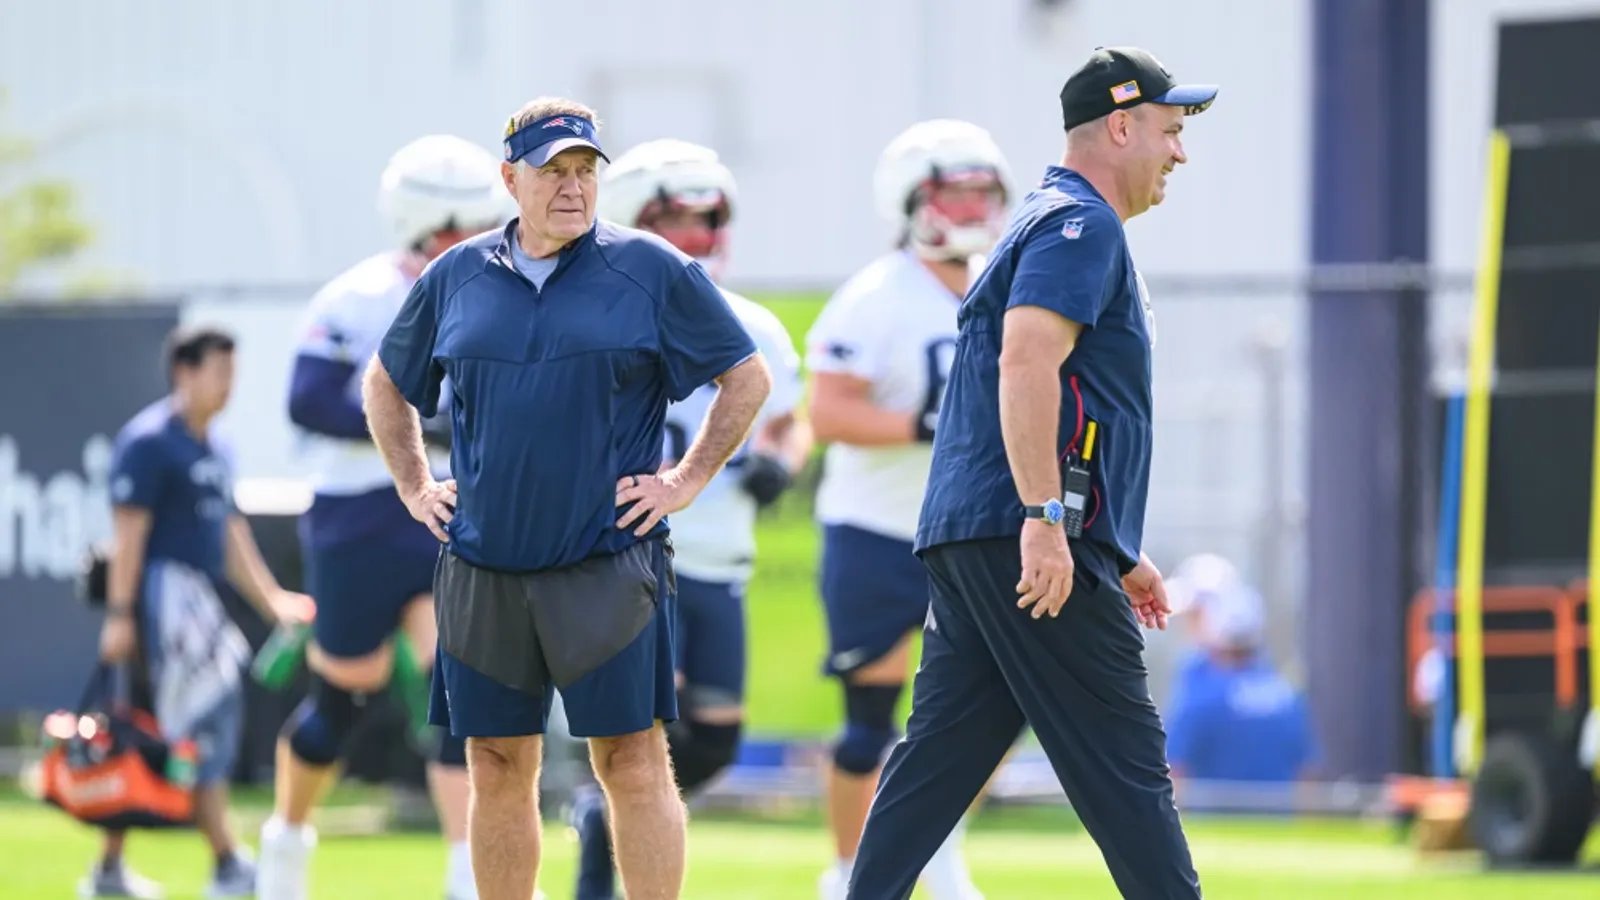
535, 270
1245, 723
1065, 251
557, 392
182, 480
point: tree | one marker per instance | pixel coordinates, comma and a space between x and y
39, 219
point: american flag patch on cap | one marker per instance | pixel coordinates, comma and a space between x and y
1122, 93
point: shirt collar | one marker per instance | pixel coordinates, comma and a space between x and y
502, 251
1055, 176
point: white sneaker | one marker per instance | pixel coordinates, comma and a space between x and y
283, 871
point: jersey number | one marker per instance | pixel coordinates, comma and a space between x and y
938, 355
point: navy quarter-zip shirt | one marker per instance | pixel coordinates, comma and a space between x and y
557, 391
1065, 251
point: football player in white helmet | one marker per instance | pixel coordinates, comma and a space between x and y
683, 193
879, 355
369, 565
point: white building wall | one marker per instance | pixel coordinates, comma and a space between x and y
240, 142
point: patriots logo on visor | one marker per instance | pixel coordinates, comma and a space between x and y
569, 124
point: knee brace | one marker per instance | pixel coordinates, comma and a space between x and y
321, 725
869, 726
700, 750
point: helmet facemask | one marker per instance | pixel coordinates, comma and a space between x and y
953, 216
693, 220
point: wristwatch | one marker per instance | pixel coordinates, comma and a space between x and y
1051, 512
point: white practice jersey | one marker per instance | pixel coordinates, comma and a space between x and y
714, 538
893, 325
346, 322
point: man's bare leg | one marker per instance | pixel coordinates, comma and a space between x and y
211, 818
849, 795
647, 816
503, 817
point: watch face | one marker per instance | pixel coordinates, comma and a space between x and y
1054, 512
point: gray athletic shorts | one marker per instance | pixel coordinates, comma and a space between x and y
599, 631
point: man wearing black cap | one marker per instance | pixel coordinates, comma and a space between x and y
563, 339
1032, 521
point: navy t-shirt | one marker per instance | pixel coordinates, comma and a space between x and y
184, 482
557, 391
1065, 251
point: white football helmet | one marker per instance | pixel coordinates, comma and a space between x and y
926, 155
441, 181
672, 175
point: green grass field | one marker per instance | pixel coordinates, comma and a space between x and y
1014, 854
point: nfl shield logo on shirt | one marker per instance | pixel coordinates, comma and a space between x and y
1073, 229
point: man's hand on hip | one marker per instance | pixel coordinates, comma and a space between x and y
1046, 568
1148, 594
653, 497
434, 505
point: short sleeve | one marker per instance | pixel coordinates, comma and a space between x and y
778, 349
1067, 263
139, 474
700, 336
842, 341
407, 348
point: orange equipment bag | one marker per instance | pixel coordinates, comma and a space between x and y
108, 765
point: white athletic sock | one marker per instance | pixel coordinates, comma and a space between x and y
282, 872
946, 875
459, 884
835, 880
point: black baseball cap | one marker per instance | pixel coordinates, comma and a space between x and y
1122, 77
